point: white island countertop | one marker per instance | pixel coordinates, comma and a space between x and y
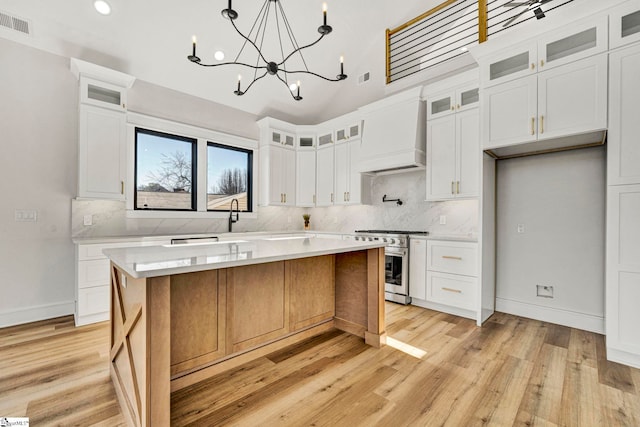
153, 261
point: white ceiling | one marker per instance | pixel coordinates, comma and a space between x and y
151, 40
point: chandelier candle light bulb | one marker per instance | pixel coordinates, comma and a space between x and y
324, 14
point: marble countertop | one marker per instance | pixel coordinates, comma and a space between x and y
162, 260
221, 236
448, 237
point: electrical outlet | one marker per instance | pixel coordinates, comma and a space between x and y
88, 219
544, 291
443, 220
520, 228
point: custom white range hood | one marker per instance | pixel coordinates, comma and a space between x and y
393, 136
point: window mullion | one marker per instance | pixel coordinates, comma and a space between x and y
203, 185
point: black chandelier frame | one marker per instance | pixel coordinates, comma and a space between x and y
271, 67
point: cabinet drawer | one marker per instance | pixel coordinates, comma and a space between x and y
452, 257
93, 273
452, 290
93, 300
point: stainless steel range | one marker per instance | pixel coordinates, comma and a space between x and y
396, 265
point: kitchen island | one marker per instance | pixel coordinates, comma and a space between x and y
183, 313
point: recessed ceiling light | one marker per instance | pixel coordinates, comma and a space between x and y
102, 7
219, 55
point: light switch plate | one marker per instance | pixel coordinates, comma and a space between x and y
88, 219
25, 215
520, 228
443, 220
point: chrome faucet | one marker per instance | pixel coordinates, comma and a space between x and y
231, 220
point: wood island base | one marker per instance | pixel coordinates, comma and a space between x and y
170, 332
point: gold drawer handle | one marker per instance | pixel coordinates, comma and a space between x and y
541, 124
457, 291
457, 258
533, 125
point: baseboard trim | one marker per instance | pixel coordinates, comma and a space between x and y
572, 319
623, 357
444, 308
36, 313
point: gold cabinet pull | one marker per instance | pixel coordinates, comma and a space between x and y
533, 66
542, 62
541, 124
348, 196
457, 258
331, 197
121, 187
281, 198
452, 108
457, 187
344, 196
458, 106
285, 197
452, 187
457, 291
533, 125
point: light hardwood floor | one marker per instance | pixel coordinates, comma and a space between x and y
513, 371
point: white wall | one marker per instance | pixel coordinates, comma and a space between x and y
560, 200
38, 167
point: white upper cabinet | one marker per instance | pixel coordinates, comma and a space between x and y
306, 178
282, 138
453, 138
570, 43
349, 132
561, 101
572, 99
325, 194
348, 185
623, 148
453, 156
282, 177
325, 138
306, 142
102, 153
102, 130
510, 64
573, 42
102, 94
624, 24
452, 101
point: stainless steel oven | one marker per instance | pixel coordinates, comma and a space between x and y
396, 261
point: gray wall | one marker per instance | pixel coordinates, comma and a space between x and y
38, 167
560, 199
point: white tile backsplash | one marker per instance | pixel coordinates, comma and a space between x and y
109, 217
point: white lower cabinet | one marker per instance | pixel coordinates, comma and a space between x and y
448, 280
452, 289
623, 274
93, 280
417, 268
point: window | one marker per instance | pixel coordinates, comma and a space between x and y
164, 171
229, 176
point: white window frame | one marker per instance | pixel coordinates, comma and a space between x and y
203, 136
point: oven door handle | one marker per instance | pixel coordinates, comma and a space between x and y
402, 252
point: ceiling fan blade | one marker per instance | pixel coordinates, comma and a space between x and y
510, 21
516, 4
544, 1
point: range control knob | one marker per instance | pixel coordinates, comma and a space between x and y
392, 241
384, 239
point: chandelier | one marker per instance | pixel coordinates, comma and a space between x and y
255, 39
